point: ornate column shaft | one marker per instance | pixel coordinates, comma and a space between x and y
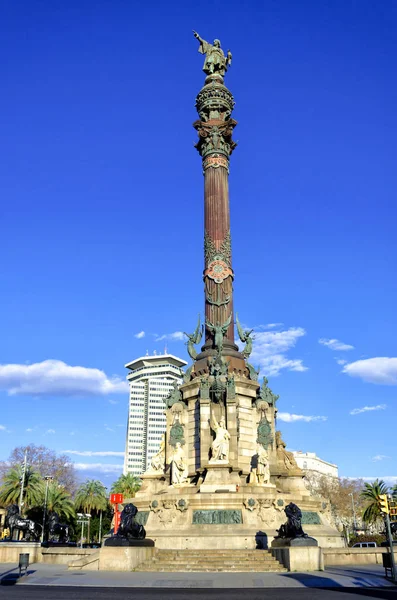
214, 105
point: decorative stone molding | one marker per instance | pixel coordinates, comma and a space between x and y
250, 504
168, 512
279, 504
212, 253
182, 504
214, 101
266, 512
215, 161
167, 516
155, 506
215, 137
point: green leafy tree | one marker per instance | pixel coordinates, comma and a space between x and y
127, 485
60, 501
394, 492
371, 495
91, 497
11, 487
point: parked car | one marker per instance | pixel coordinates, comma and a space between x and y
365, 545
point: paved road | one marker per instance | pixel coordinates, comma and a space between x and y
45, 582
23, 592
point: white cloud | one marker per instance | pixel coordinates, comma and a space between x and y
380, 369
29, 429
270, 326
358, 411
379, 457
177, 336
140, 335
93, 452
113, 401
4, 428
291, 418
50, 431
270, 348
56, 378
341, 361
102, 467
334, 344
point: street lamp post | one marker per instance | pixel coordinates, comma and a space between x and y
88, 517
354, 512
83, 519
47, 478
24, 465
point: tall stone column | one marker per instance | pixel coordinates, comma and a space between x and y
214, 105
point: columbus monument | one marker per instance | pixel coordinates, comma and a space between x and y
222, 473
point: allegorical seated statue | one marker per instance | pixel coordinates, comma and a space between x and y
14, 521
179, 469
284, 457
58, 532
157, 462
129, 529
293, 527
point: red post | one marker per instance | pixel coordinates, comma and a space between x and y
116, 499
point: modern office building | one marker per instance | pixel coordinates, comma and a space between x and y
150, 379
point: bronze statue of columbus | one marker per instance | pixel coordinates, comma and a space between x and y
215, 60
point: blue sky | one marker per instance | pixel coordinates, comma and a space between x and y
102, 214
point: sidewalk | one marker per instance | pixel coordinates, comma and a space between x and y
334, 577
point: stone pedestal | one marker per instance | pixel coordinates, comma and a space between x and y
124, 559
115, 541
219, 477
298, 542
299, 558
152, 483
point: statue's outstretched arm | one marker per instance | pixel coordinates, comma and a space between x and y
196, 35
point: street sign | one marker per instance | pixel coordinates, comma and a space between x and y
116, 498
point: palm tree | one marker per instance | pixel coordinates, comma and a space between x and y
371, 494
127, 485
91, 496
60, 501
11, 488
394, 492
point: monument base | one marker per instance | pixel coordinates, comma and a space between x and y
220, 477
59, 545
298, 542
123, 542
299, 558
124, 559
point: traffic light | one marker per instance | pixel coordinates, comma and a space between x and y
393, 510
383, 503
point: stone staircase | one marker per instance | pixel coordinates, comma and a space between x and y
258, 561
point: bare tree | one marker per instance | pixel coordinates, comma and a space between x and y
46, 462
341, 493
